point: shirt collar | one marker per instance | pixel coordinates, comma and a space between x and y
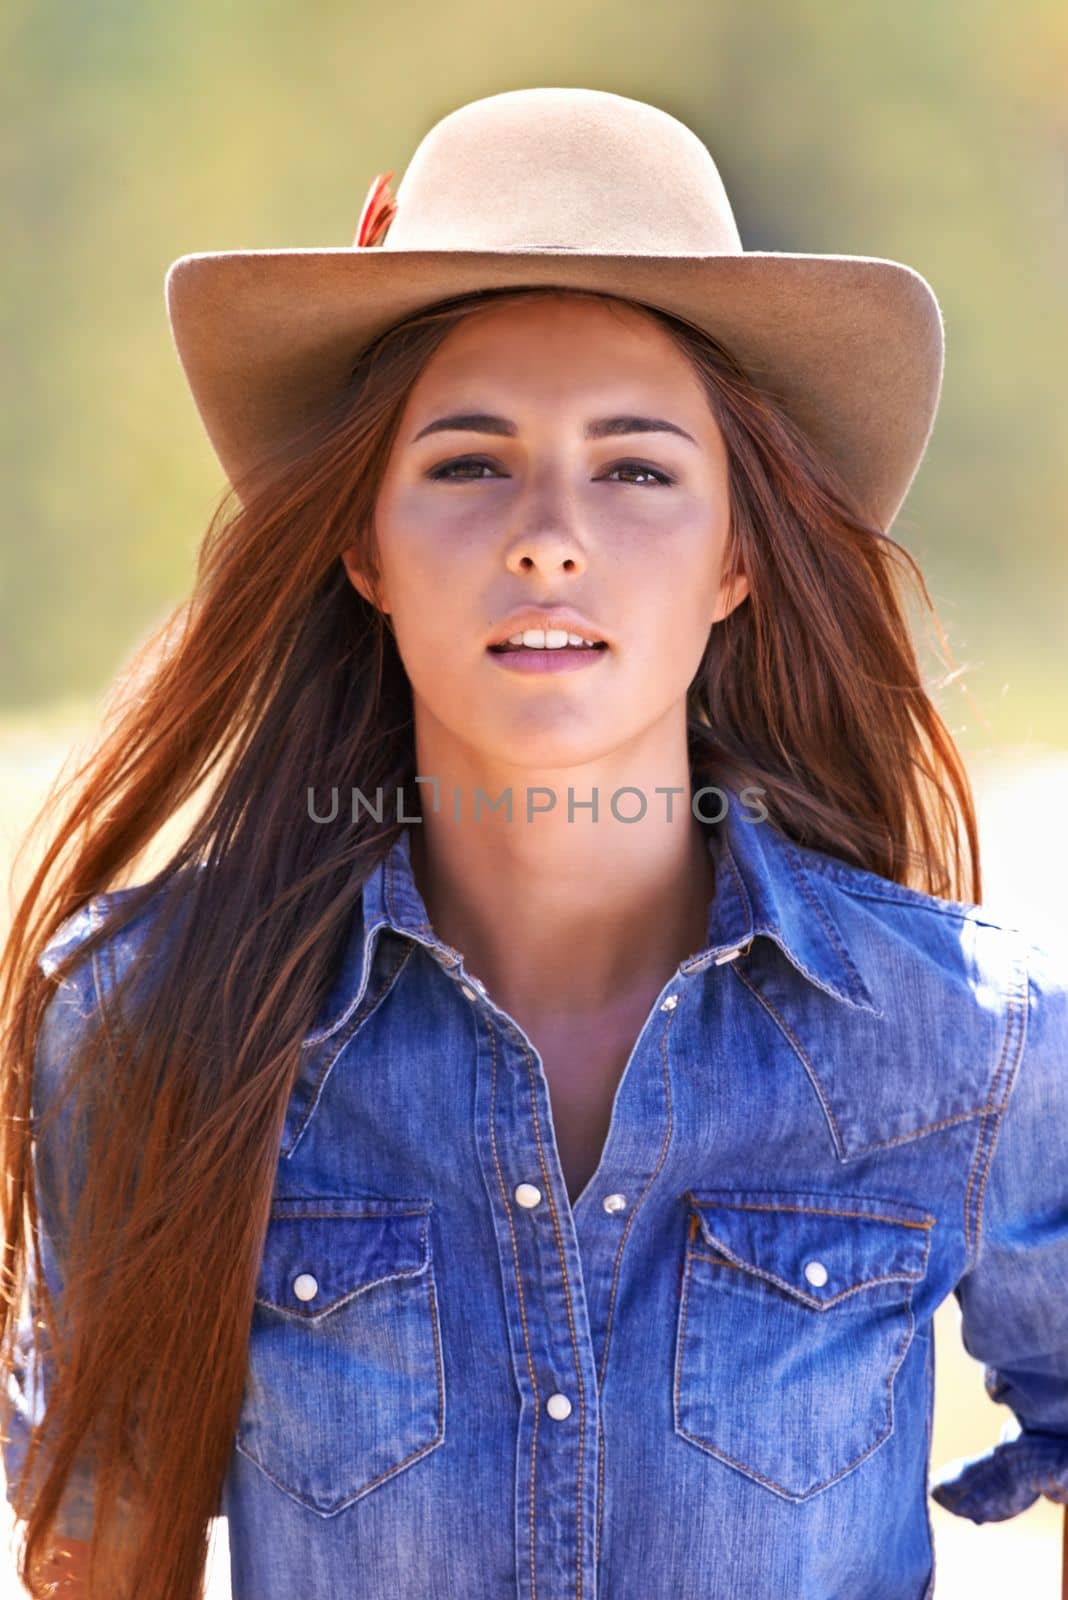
763, 888
766, 886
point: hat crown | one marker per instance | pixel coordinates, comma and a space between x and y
563, 169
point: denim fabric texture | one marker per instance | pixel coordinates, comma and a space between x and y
711, 1377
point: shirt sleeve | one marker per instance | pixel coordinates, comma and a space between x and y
1014, 1298
28, 1392
30, 1379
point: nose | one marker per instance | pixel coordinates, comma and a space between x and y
546, 551
545, 536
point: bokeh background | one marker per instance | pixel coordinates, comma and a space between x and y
930, 131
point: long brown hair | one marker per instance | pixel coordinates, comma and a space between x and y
277, 676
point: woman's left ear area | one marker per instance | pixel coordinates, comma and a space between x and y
733, 591
360, 582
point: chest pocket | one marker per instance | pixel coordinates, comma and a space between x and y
345, 1382
794, 1317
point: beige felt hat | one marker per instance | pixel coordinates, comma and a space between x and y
583, 189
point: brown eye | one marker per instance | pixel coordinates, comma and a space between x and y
446, 471
641, 466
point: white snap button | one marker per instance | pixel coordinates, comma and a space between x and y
526, 1194
816, 1273
614, 1202
305, 1287
670, 1003
558, 1406
728, 955
470, 993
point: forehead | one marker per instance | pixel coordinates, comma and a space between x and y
565, 343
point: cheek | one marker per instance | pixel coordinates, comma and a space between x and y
424, 532
672, 642
430, 595
422, 553
675, 580
433, 633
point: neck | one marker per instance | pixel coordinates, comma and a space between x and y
569, 918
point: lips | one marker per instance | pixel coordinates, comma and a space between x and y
547, 619
545, 650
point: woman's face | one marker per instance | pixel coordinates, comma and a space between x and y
552, 487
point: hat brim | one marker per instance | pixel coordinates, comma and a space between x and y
853, 346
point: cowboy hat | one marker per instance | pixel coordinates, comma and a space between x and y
579, 188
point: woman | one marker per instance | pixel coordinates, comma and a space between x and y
552, 1198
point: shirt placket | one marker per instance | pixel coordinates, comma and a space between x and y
548, 1323
608, 1213
555, 1344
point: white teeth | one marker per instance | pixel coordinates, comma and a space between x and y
551, 639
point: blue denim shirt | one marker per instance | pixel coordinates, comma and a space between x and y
712, 1375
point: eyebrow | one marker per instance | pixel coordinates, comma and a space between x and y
599, 428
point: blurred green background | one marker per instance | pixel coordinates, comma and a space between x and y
934, 133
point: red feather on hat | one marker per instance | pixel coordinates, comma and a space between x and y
378, 212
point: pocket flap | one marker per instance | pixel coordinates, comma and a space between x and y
817, 1247
318, 1253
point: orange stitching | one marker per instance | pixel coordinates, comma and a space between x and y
817, 1211
801, 1294
750, 1471
600, 1488
430, 1287
918, 1133
681, 1336
619, 1255
370, 1283
814, 1079
570, 1314
522, 1303
342, 1299
389, 1471
367, 1487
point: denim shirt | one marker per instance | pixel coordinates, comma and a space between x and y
711, 1376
